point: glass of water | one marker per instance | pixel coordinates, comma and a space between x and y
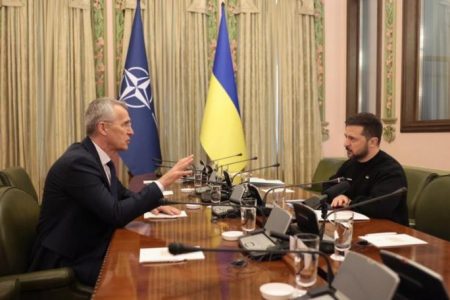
305, 264
343, 233
248, 214
215, 193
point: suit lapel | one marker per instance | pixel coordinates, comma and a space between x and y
89, 146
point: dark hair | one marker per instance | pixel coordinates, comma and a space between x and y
372, 126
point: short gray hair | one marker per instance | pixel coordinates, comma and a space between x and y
100, 109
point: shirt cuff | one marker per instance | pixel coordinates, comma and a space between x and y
159, 184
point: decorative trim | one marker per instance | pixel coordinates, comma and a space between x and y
118, 40
388, 100
213, 25
320, 59
80, 4
15, 3
99, 23
246, 6
198, 6
306, 7
131, 4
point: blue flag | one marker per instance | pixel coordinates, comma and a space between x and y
135, 91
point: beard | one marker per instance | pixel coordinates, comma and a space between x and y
358, 156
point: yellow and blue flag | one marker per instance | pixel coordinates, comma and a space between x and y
135, 91
222, 133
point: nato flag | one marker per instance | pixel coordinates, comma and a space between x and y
135, 91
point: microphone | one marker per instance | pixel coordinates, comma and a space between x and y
397, 192
239, 161
179, 248
163, 166
328, 194
303, 185
164, 201
325, 216
207, 169
256, 169
158, 160
222, 158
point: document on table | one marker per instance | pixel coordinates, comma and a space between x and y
356, 216
264, 182
150, 215
391, 239
156, 255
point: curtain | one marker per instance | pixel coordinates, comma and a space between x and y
257, 81
300, 124
46, 79
435, 68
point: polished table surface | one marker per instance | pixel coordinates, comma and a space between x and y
123, 277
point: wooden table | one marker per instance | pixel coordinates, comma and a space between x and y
123, 277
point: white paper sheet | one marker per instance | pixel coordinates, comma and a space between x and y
155, 255
150, 215
392, 240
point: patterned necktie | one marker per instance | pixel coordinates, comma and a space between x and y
113, 179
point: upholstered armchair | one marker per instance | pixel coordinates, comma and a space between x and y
18, 177
19, 214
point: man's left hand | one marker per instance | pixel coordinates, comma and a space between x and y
168, 210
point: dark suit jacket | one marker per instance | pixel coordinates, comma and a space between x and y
80, 213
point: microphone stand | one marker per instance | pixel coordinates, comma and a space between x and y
352, 206
178, 248
302, 185
256, 169
222, 158
236, 162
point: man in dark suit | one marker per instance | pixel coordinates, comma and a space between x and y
83, 201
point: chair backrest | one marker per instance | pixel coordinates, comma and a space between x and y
360, 277
326, 168
19, 214
417, 180
18, 177
433, 208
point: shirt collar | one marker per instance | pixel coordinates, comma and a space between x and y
104, 158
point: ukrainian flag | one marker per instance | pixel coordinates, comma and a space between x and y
222, 133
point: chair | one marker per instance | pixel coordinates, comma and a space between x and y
18, 177
433, 208
9, 289
326, 168
19, 214
417, 180
360, 277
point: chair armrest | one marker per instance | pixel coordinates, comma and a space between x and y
9, 289
42, 280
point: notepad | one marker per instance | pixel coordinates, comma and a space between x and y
265, 182
389, 240
158, 255
356, 216
150, 215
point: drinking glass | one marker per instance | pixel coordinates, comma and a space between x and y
248, 214
305, 264
215, 193
198, 178
343, 232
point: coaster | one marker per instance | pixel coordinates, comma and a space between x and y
337, 257
232, 235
